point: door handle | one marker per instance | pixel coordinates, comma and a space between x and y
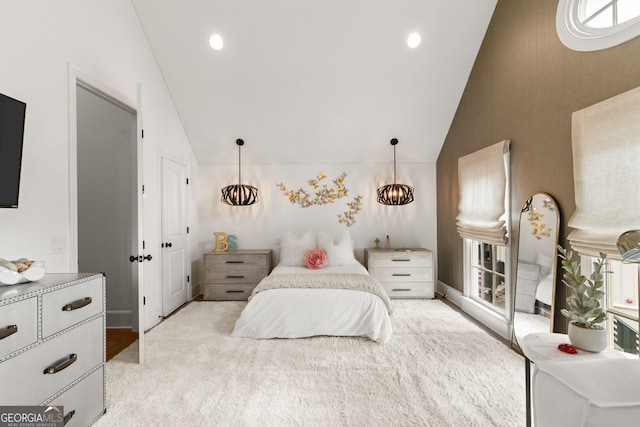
140, 258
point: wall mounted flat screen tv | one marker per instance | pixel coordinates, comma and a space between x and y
12, 114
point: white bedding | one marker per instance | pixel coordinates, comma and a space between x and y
544, 291
297, 313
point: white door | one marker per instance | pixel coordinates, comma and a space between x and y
175, 288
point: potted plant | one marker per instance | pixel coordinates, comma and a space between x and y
583, 303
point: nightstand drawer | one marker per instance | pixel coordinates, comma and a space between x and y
18, 325
227, 261
408, 290
399, 259
395, 274
227, 292
235, 276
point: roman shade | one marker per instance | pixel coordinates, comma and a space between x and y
482, 184
606, 173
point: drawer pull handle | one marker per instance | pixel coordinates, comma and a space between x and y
63, 365
401, 275
11, 329
235, 262
235, 277
400, 260
77, 304
401, 290
68, 417
233, 291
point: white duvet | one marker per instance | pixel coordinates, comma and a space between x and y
297, 313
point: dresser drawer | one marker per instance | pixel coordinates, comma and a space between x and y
227, 292
238, 276
85, 399
400, 259
68, 306
231, 261
23, 379
398, 274
409, 289
18, 325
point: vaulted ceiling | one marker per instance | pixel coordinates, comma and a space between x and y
324, 81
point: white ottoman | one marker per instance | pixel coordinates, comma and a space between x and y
583, 392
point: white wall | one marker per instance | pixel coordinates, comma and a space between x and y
260, 225
103, 40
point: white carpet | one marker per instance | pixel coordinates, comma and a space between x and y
439, 369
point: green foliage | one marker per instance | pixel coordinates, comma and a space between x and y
585, 294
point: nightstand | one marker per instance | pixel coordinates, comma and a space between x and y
541, 348
233, 275
404, 273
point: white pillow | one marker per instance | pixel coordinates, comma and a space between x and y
293, 248
339, 251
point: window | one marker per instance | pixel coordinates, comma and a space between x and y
621, 302
483, 209
487, 273
586, 25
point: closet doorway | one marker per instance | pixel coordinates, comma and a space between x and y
107, 202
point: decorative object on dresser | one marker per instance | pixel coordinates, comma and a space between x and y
395, 194
239, 194
20, 271
233, 275
404, 273
52, 345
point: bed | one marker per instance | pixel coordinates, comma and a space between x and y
295, 301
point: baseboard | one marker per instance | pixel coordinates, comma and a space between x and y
119, 318
490, 319
195, 290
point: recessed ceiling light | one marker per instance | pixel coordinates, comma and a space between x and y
413, 40
216, 42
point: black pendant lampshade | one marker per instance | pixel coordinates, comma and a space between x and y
395, 194
239, 194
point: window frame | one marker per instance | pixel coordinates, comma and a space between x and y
609, 304
471, 267
577, 36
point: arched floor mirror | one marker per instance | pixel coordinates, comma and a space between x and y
535, 284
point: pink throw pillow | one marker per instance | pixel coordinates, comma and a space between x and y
315, 259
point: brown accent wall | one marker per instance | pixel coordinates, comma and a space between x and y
524, 86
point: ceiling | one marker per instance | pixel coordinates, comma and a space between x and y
325, 81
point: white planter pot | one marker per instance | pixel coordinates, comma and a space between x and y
594, 340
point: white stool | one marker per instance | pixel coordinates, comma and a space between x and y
587, 392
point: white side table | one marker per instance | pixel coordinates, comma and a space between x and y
543, 346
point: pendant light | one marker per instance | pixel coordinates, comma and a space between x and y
395, 194
239, 194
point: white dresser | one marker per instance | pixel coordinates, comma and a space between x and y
404, 273
52, 345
